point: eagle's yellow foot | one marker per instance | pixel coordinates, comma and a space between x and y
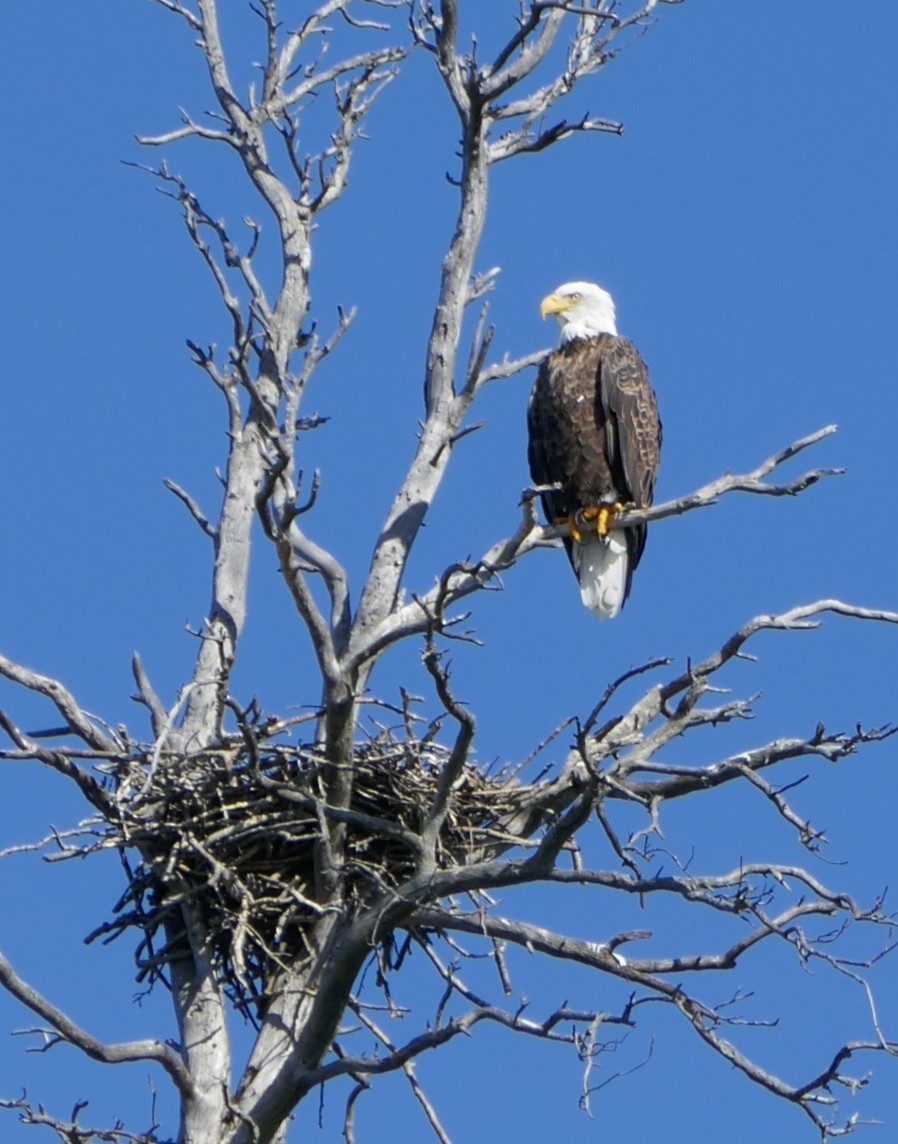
603, 515
607, 513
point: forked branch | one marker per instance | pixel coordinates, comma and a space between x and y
65, 1030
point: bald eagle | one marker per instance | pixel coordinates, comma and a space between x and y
595, 434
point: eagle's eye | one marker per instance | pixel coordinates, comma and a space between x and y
575, 297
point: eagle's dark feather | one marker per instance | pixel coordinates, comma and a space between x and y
595, 431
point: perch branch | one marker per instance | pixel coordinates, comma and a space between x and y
463, 579
752, 482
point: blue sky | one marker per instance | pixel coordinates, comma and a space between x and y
745, 223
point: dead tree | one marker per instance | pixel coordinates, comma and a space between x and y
268, 859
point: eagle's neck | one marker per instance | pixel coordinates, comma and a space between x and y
590, 326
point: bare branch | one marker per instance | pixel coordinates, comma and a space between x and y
192, 19
409, 1070
507, 368
590, 49
519, 58
78, 721
66, 1030
147, 696
452, 768
193, 508
73, 1132
752, 482
527, 142
704, 1020
368, 64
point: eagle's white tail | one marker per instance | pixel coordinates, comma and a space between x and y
601, 567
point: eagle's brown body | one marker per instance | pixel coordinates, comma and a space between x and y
595, 431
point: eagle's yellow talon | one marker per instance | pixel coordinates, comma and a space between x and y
605, 516
598, 517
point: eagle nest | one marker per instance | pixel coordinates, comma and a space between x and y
237, 834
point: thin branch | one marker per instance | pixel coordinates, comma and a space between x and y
705, 1021
452, 768
77, 720
752, 482
409, 1070
66, 1030
193, 508
72, 1132
147, 696
193, 21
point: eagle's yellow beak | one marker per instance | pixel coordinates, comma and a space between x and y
553, 304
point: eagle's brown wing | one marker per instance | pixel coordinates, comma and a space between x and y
627, 407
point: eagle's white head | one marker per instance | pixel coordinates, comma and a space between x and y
583, 310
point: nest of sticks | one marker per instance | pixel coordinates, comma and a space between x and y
237, 836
